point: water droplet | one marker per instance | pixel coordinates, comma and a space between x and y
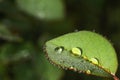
85, 57
94, 60
88, 72
59, 49
71, 68
76, 51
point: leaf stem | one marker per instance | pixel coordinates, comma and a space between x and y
116, 78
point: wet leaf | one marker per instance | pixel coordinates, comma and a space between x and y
98, 56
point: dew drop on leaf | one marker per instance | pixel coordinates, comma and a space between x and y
94, 60
88, 72
59, 49
85, 52
71, 68
85, 57
76, 51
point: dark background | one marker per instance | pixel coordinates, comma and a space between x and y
23, 34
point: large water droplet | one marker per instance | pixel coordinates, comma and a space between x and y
59, 49
88, 72
76, 51
94, 61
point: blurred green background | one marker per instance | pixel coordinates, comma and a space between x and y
25, 25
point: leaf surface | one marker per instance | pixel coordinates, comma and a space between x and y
98, 57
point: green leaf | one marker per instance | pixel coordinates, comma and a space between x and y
43, 9
7, 35
83, 51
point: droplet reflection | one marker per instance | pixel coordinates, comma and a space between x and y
88, 72
59, 50
94, 60
76, 51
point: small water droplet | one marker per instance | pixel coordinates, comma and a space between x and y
76, 51
88, 72
94, 61
85, 57
59, 49
71, 68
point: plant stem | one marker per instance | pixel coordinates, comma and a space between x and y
116, 78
